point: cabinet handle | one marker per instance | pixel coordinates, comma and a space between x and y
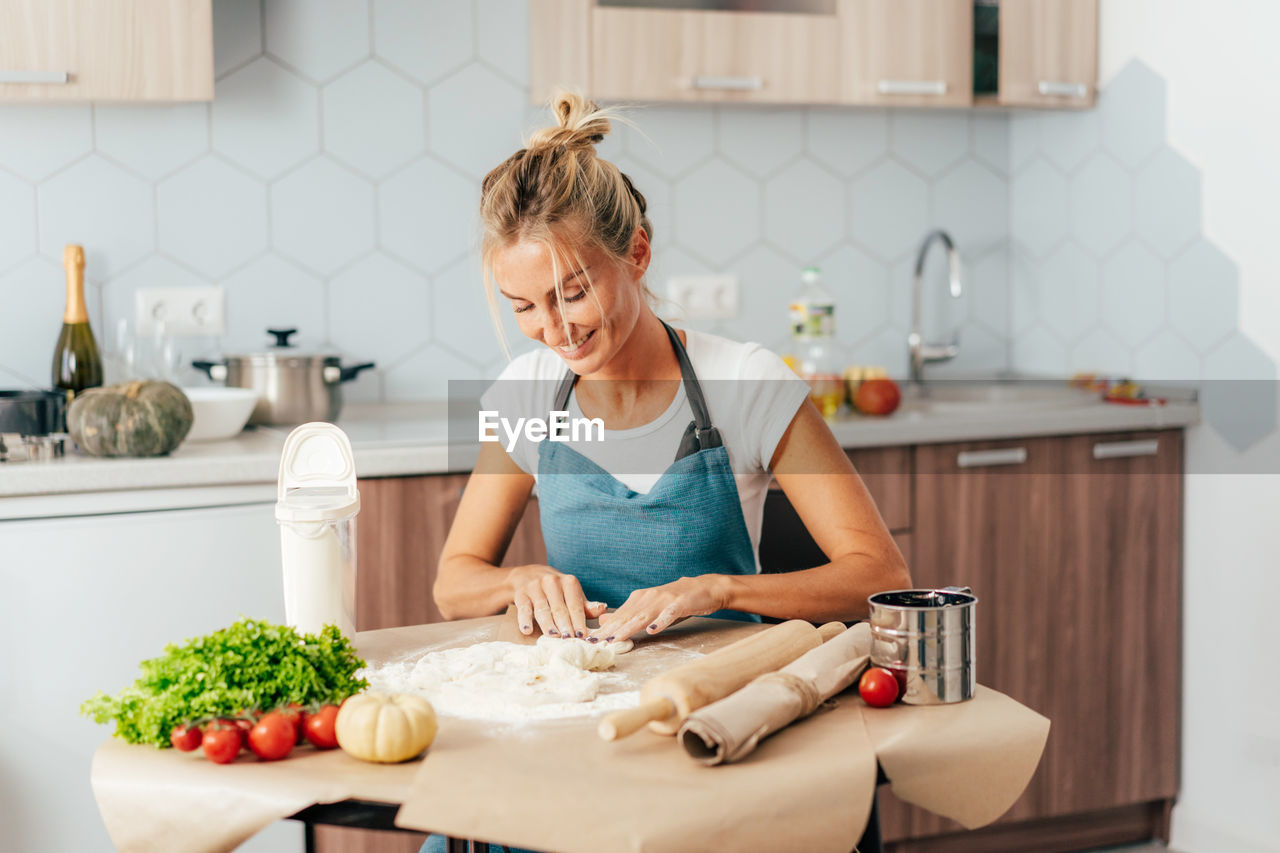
34, 77
912, 87
738, 84
1124, 449
1057, 89
1000, 456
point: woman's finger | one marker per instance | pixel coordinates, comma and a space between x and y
669, 615
559, 612
577, 604
524, 612
542, 610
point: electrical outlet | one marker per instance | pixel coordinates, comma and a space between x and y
183, 310
705, 297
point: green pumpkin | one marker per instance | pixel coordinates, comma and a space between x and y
141, 418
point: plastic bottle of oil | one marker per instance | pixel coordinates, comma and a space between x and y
813, 329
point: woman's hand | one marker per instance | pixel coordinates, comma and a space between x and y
552, 599
658, 607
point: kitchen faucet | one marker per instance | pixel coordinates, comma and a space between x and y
921, 352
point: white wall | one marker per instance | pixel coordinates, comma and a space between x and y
1219, 60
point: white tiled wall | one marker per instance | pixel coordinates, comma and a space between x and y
332, 185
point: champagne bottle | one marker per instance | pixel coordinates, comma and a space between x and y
76, 362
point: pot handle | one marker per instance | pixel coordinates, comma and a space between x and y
215, 370
346, 374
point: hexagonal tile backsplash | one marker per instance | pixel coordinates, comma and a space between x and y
333, 183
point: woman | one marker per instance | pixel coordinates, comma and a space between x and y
567, 243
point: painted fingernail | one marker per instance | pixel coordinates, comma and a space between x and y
608, 639
554, 633
579, 635
525, 628
653, 627
593, 639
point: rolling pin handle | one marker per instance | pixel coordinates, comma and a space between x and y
619, 724
831, 630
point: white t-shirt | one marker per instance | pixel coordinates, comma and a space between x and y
751, 394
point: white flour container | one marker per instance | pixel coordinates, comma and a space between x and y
316, 509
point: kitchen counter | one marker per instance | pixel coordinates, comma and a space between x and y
412, 438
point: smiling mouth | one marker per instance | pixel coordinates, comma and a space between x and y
577, 345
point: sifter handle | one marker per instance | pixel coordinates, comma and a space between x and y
622, 723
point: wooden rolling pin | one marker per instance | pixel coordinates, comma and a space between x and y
665, 700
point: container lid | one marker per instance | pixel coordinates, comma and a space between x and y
317, 476
284, 350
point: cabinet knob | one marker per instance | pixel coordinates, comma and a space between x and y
1057, 89
55, 77
912, 87
999, 456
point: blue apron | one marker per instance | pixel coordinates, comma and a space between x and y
614, 540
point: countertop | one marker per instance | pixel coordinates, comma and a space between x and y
412, 438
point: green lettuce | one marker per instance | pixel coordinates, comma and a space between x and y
250, 666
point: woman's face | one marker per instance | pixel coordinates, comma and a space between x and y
603, 299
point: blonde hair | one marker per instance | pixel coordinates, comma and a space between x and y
558, 192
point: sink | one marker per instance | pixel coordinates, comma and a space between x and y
961, 397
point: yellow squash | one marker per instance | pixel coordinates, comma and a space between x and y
385, 727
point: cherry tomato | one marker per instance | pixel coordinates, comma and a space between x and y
296, 715
186, 738
320, 727
878, 687
273, 737
222, 742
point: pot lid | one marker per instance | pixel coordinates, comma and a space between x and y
317, 480
284, 350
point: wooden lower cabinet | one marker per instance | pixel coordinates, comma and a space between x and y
1075, 555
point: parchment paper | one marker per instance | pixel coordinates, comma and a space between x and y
968, 761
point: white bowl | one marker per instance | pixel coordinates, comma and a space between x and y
219, 412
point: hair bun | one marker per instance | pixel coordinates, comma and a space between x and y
579, 124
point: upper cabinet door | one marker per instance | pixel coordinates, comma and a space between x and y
909, 52
1048, 52
751, 57
106, 50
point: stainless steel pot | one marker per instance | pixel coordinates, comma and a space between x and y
926, 638
293, 386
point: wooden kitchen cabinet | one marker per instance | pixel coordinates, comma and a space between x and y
399, 536
1048, 53
675, 55
909, 52
1075, 556
106, 50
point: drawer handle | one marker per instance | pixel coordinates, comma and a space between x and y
1000, 456
1053, 88
912, 87
742, 83
1125, 449
56, 77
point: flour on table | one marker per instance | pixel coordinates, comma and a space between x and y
512, 682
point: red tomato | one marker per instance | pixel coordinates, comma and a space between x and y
878, 687
186, 738
273, 737
222, 742
877, 396
319, 727
295, 714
